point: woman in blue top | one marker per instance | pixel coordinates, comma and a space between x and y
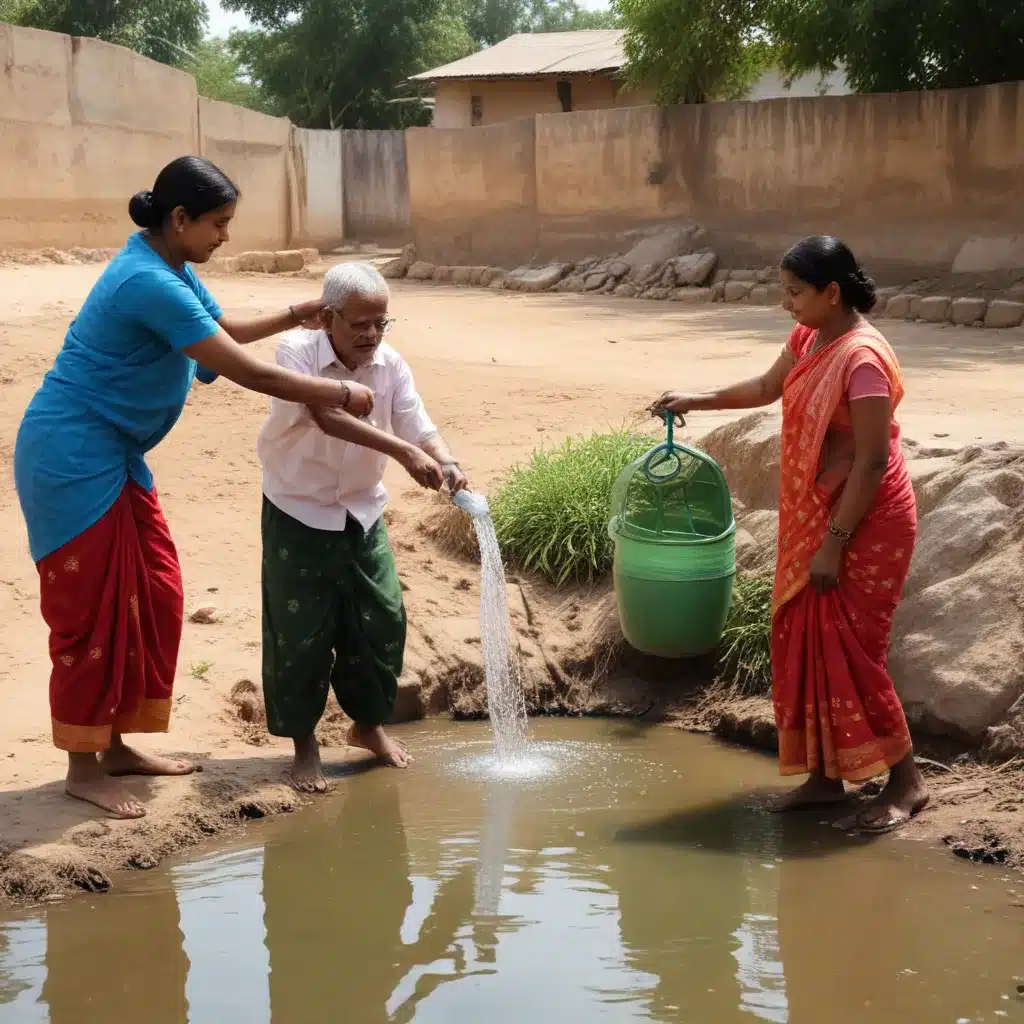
110, 583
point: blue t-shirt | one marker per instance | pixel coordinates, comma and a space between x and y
117, 387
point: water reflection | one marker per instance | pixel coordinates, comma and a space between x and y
607, 893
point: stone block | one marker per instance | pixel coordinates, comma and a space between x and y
257, 262
462, 275
721, 276
498, 281
692, 296
934, 309
901, 307
592, 282
1004, 313
289, 261
658, 293
759, 295
736, 291
421, 271
311, 256
743, 275
965, 311
718, 291
625, 290
394, 270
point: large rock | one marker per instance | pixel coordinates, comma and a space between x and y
694, 270
660, 248
748, 452
539, 279
592, 282
957, 652
958, 643
903, 306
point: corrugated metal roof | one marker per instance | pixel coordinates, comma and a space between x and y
539, 53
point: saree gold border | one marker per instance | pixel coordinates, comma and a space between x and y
152, 715
80, 739
851, 765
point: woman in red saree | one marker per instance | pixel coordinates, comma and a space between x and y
110, 582
847, 526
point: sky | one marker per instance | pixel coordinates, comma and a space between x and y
222, 22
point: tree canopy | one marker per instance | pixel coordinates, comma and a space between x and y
895, 45
165, 30
692, 51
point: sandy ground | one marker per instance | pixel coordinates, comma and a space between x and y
501, 374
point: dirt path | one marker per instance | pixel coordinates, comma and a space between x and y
501, 374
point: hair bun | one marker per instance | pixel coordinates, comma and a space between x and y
862, 295
142, 210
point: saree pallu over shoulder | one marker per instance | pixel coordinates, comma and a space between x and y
113, 600
836, 707
812, 394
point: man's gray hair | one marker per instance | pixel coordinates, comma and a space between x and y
347, 279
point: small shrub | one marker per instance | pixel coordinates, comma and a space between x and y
551, 514
745, 659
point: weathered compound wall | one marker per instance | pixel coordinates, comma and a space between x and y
83, 126
473, 192
317, 189
376, 176
907, 178
254, 150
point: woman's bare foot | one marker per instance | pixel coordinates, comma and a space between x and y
119, 759
817, 790
88, 780
904, 796
373, 738
307, 771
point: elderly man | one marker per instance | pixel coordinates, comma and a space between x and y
332, 603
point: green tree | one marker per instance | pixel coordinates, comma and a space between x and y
895, 45
165, 30
218, 73
344, 63
692, 51
490, 21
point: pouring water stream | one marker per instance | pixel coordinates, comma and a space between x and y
505, 700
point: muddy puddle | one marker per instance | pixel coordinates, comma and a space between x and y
625, 875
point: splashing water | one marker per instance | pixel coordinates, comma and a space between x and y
505, 701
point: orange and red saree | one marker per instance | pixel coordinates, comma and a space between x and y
113, 600
835, 704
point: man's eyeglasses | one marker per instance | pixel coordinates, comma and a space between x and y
381, 326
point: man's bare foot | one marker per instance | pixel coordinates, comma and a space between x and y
88, 780
816, 791
373, 738
118, 759
307, 771
905, 795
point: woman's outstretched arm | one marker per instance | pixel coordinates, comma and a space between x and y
224, 356
748, 394
246, 330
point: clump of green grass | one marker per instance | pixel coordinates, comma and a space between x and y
200, 669
551, 514
745, 657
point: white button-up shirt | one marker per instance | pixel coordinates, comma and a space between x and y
317, 479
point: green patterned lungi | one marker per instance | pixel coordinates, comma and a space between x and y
332, 616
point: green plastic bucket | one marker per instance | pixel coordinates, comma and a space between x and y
675, 551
